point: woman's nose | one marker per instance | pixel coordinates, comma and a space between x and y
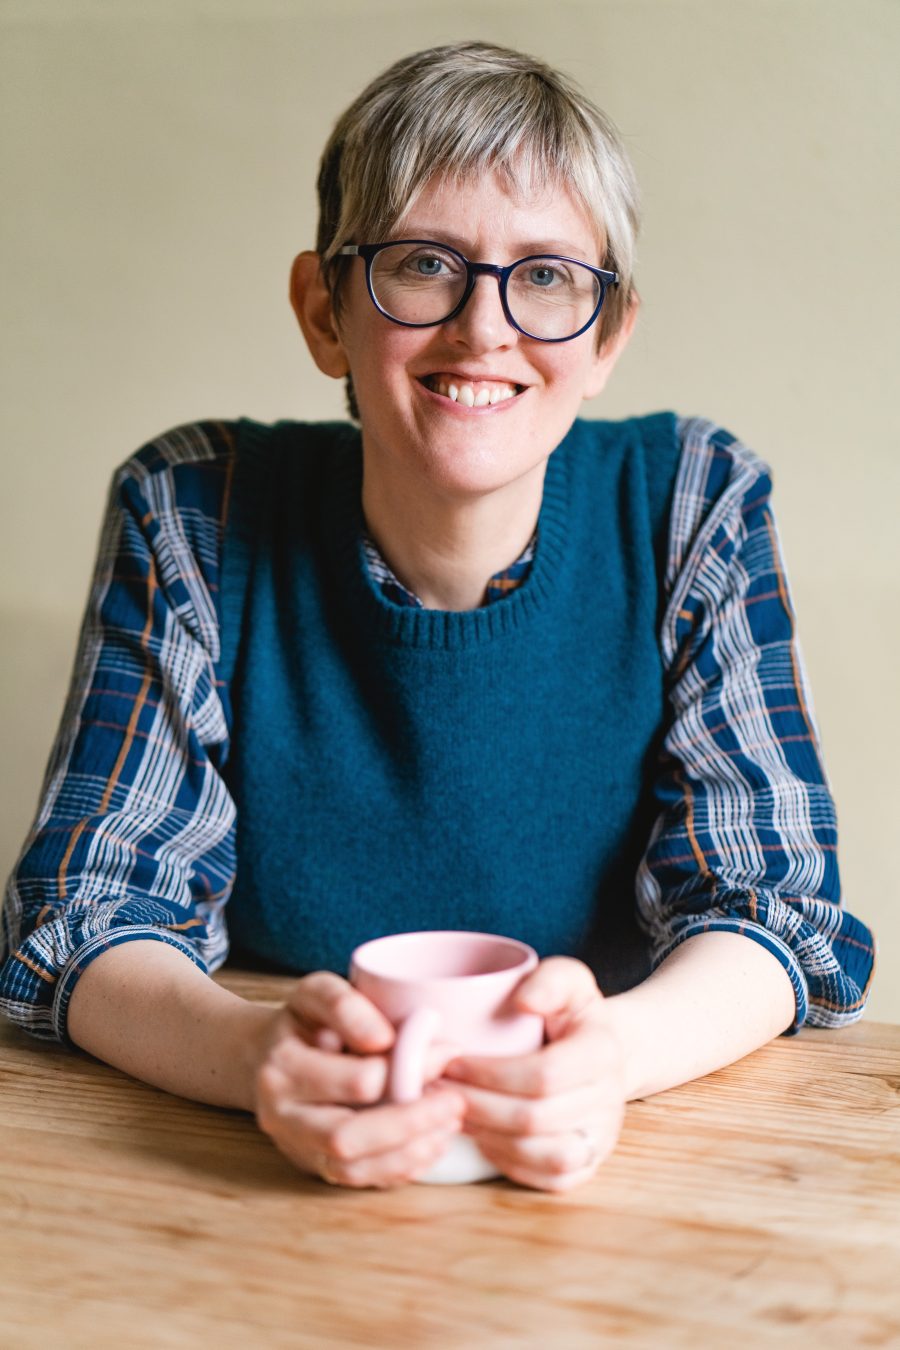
482, 325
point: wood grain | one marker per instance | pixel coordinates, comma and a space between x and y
759, 1206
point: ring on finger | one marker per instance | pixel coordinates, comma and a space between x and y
591, 1141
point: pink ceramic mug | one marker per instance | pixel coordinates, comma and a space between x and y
447, 986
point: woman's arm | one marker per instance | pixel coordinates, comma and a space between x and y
716, 998
134, 836
745, 840
147, 1009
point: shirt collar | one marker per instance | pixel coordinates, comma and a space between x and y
500, 584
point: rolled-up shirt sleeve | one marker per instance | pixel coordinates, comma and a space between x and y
134, 835
745, 839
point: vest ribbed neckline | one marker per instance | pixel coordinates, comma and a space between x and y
403, 625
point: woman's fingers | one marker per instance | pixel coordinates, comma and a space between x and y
551, 1162
559, 1067
321, 1107
324, 1000
586, 1052
322, 1076
382, 1146
437, 1056
533, 1075
503, 1114
560, 984
563, 991
541, 1181
389, 1127
392, 1168
326, 1039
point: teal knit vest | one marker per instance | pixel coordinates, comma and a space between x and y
397, 768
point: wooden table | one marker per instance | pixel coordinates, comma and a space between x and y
758, 1206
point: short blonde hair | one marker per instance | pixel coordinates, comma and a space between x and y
458, 111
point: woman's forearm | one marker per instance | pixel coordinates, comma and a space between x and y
713, 1000
145, 1008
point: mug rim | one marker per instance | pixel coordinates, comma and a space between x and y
528, 957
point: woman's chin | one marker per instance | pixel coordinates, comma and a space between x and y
468, 474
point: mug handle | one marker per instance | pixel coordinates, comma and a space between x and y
406, 1073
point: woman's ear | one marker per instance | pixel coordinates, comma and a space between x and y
611, 349
311, 302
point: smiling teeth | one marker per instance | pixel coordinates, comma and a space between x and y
471, 396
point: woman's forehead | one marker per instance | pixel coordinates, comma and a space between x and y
520, 211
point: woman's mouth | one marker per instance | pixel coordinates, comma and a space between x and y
472, 393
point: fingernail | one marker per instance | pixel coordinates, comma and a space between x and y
376, 1039
329, 1040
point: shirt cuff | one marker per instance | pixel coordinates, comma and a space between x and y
779, 950
80, 960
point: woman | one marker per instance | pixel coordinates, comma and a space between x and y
475, 665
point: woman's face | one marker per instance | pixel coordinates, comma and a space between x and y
401, 375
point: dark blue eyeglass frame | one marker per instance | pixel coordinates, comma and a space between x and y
368, 252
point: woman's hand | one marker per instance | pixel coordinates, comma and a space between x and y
319, 1105
550, 1118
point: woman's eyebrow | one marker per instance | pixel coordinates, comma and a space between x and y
522, 249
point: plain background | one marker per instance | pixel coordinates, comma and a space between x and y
158, 166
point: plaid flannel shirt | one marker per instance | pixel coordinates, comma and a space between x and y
135, 832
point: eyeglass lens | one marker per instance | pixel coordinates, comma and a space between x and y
421, 283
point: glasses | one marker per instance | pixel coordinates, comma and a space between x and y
419, 283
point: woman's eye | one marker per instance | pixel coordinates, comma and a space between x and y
427, 265
542, 276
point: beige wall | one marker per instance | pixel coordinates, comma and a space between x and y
158, 169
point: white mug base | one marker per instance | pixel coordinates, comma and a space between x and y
463, 1162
